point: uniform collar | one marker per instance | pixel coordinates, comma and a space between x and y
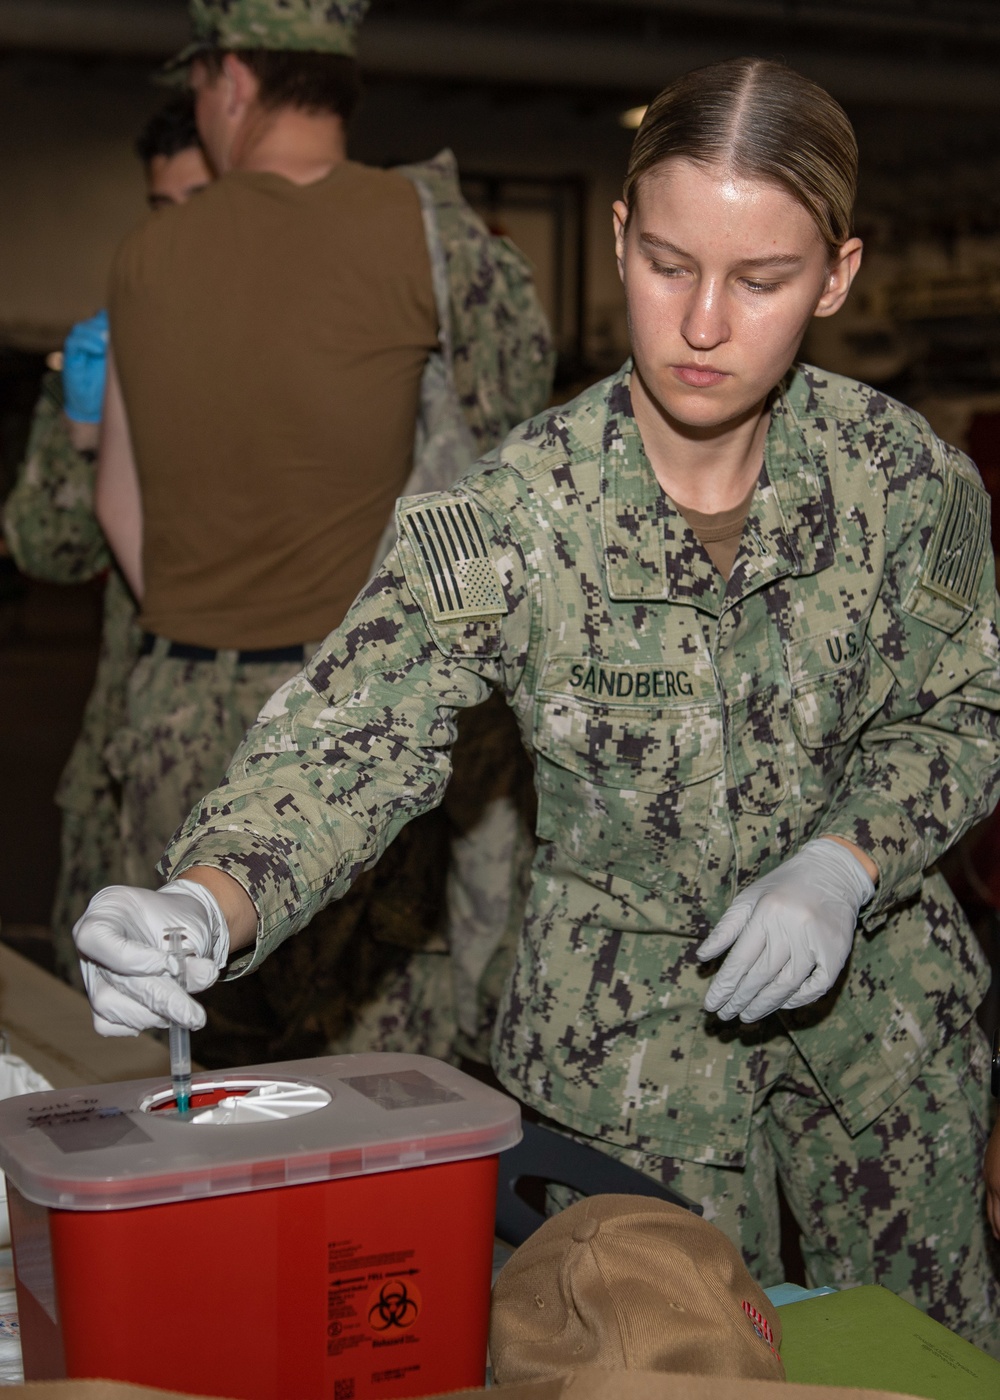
649, 551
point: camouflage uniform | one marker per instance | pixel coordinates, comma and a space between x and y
52, 533
688, 735
185, 718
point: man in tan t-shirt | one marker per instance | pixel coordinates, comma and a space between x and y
263, 391
267, 348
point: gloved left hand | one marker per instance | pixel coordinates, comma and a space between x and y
790, 933
85, 367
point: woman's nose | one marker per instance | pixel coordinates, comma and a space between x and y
705, 324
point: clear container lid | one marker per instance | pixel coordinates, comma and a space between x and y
119, 1145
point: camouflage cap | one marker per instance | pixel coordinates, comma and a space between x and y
303, 26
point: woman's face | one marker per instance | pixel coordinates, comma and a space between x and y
722, 275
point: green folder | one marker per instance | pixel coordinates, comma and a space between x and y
869, 1337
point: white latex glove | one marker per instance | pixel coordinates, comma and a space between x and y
129, 974
790, 933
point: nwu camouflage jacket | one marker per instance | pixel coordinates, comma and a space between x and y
688, 735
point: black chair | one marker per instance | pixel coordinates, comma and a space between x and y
550, 1157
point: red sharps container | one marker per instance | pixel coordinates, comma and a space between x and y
314, 1230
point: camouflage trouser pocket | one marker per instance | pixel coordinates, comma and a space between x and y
178, 721
168, 754
121, 749
184, 719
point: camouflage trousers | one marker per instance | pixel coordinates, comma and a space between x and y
88, 795
183, 721
901, 1204
89, 859
384, 968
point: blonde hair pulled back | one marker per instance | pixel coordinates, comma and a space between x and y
761, 120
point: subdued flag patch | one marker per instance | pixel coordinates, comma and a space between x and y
956, 551
455, 559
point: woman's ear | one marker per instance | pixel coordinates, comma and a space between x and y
841, 273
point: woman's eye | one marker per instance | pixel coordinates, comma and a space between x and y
667, 270
753, 285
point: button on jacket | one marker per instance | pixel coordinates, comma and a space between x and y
688, 734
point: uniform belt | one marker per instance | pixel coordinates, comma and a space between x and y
187, 651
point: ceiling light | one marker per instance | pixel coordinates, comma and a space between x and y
632, 119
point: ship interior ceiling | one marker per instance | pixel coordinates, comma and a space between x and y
531, 95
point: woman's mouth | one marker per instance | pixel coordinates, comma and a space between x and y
699, 376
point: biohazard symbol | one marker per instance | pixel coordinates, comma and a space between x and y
395, 1304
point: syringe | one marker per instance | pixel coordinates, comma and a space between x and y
180, 1036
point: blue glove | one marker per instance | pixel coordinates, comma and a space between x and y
790, 932
85, 367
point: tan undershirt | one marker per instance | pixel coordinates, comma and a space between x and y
719, 532
270, 340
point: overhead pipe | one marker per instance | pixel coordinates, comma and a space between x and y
488, 54
539, 58
962, 20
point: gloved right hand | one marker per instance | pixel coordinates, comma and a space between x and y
129, 974
85, 368
788, 934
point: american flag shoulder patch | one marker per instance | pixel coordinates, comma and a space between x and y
454, 557
955, 556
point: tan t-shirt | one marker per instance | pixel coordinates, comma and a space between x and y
270, 340
719, 531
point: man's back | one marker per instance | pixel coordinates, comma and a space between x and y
272, 411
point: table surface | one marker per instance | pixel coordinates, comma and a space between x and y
48, 1024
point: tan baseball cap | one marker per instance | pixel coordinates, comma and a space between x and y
630, 1283
593, 1383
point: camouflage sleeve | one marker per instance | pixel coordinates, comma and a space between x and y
48, 518
503, 353
359, 742
928, 764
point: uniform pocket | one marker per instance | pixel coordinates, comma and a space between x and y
838, 682
625, 773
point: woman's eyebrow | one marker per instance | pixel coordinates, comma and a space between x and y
768, 260
663, 244
773, 260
